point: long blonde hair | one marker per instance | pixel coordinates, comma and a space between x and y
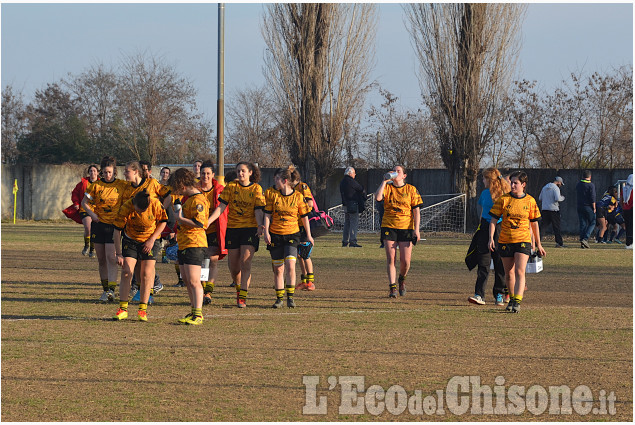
498, 186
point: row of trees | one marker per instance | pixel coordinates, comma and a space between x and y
311, 112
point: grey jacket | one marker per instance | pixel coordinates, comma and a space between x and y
550, 197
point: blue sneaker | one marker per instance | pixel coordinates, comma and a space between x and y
151, 300
136, 298
499, 299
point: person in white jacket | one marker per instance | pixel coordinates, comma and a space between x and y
551, 198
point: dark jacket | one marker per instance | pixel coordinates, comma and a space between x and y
353, 194
586, 193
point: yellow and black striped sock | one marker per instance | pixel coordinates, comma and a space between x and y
209, 287
242, 295
310, 277
143, 307
104, 284
197, 312
112, 286
519, 298
279, 293
86, 241
123, 305
393, 286
303, 278
290, 291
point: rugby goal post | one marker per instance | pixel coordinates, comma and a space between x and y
440, 213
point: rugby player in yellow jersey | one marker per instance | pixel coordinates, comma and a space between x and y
142, 219
307, 282
244, 199
284, 208
191, 218
399, 226
100, 203
520, 215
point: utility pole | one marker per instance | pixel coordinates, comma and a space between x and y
220, 103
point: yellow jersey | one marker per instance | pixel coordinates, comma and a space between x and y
209, 194
196, 208
517, 213
285, 211
104, 197
242, 202
152, 186
140, 226
304, 190
398, 205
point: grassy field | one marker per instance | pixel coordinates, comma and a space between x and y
64, 359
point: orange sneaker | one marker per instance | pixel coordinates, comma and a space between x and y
310, 286
142, 315
301, 286
241, 303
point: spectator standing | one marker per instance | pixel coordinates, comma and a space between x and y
627, 210
353, 197
585, 191
551, 198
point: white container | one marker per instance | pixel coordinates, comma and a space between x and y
205, 270
534, 265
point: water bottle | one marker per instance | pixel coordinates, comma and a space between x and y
390, 175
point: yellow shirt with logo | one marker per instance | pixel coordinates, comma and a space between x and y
285, 211
517, 213
242, 202
209, 194
152, 186
196, 208
140, 226
304, 190
398, 205
104, 198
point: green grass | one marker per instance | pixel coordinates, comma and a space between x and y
63, 359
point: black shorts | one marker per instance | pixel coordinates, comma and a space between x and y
101, 232
507, 250
134, 249
234, 238
600, 212
283, 246
398, 235
83, 214
615, 218
212, 240
192, 256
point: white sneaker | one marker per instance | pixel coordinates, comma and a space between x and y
476, 299
104, 297
85, 251
111, 295
133, 291
629, 246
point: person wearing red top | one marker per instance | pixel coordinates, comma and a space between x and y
76, 213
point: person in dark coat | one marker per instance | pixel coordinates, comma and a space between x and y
353, 199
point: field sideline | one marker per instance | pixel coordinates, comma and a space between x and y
64, 359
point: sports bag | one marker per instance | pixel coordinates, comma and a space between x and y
321, 223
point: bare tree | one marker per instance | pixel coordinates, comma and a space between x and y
14, 123
467, 54
317, 63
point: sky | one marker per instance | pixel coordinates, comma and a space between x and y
44, 42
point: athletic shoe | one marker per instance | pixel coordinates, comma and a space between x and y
560, 246
506, 298
603, 242
233, 285
510, 305
310, 286
91, 254
150, 300
242, 303
354, 245
120, 315
393, 293
402, 288
585, 244
476, 299
137, 297
344, 244
187, 317
180, 284
515, 308
195, 320
617, 241
85, 251
629, 246
207, 299
158, 286
134, 293
142, 315
301, 286
499, 299
279, 303
104, 297
111, 295
290, 303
